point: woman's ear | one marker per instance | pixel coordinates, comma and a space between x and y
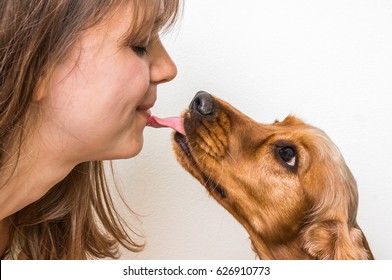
335, 240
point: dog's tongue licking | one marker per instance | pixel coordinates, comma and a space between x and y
175, 123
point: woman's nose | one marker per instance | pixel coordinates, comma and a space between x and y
162, 67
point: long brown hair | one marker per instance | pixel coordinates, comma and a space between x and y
77, 218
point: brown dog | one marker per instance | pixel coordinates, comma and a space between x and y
286, 183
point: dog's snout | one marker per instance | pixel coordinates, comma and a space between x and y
202, 103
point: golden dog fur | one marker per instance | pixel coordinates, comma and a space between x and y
301, 208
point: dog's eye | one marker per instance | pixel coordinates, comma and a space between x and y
288, 155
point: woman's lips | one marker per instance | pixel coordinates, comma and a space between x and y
176, 123
145, 112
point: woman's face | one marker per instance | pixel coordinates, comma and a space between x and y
97, 102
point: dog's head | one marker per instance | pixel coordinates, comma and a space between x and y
286, 183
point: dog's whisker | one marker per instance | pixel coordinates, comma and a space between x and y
232, 157
211, 171
220, 175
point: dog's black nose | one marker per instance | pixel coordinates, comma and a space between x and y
202, 103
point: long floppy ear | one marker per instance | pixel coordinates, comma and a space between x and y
335, 240
331, 230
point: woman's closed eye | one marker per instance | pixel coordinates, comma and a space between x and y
140, 50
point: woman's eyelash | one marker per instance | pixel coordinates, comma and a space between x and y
139, 50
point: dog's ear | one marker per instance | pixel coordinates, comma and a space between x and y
331, 231
335, 240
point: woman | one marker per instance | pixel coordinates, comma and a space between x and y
78, 78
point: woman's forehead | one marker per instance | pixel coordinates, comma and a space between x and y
139, 20
132, 22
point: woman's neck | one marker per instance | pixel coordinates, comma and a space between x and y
28, 177
24, 187
34, 175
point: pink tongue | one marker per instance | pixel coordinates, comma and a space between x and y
175, 123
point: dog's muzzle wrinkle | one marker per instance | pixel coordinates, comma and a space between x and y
215, 187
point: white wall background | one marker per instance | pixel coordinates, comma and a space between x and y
329, 62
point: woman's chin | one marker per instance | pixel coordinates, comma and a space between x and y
126, 144
129, 150
122, 150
